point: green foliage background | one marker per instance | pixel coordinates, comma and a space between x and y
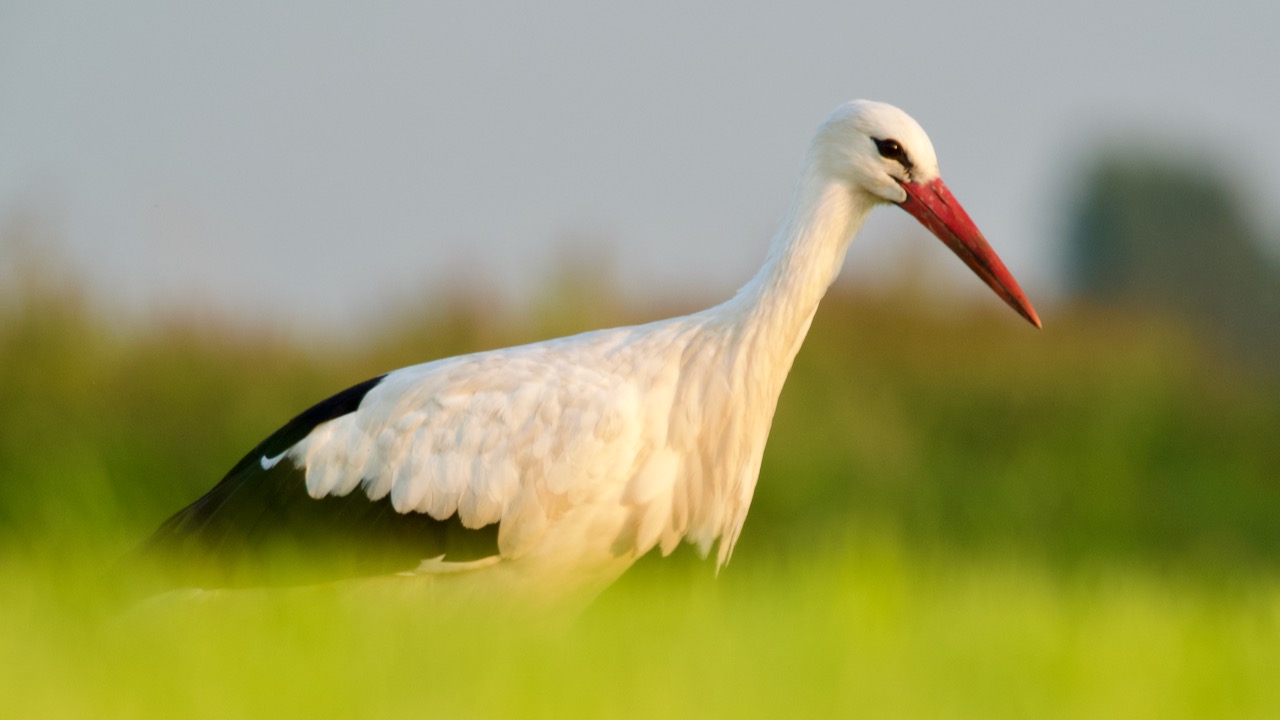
958, 516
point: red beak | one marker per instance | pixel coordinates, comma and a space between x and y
934, 206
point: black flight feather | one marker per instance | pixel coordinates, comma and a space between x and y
258, 526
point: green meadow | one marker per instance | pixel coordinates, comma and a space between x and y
958, 516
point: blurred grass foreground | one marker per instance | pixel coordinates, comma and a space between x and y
957, 516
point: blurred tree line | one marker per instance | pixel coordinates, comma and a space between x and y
1121, 433
1170, 235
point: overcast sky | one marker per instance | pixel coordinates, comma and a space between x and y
310, 164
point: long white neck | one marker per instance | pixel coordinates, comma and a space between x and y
757, 333
773, 310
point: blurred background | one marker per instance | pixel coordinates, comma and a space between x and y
212, 216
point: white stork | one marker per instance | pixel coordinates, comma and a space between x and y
544, 471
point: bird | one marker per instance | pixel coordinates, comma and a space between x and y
542, 472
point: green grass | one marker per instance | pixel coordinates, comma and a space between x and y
863, 630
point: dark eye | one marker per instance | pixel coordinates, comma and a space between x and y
890, 149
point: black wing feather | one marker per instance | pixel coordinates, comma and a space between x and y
260, 527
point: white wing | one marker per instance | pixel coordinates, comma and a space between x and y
518, 436
585, 452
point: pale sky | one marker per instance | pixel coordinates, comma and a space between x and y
311, 164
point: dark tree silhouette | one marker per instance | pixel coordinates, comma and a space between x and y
1174, 236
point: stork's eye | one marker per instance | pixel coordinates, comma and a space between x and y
891, 150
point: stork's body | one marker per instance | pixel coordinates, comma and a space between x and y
584, 452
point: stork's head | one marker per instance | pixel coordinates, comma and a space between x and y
880, 151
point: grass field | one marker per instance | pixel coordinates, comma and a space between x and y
957, 517
867, 630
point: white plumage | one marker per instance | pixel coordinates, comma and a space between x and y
591, 450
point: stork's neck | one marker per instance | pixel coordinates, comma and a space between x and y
774, 309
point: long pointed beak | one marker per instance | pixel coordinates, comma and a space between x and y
934, 206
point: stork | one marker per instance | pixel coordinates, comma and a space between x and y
544, 471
